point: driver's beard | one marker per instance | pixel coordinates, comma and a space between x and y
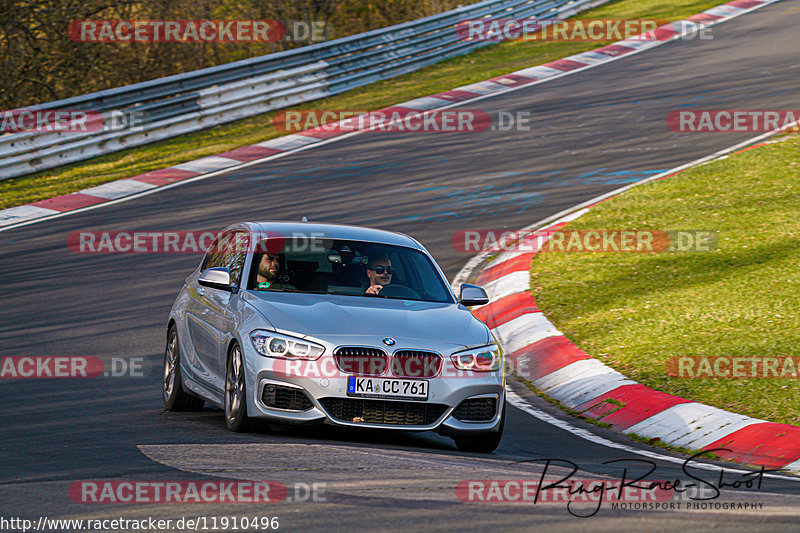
266, 273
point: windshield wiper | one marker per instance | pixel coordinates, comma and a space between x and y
339, 293
280, 290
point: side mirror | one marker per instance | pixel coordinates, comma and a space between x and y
472, 295
216, 278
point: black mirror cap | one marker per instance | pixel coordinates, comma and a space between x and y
472, 295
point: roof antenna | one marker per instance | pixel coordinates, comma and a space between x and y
304, 219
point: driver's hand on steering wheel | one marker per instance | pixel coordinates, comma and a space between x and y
373, 289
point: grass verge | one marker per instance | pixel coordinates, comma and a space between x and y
636, 311
488, 62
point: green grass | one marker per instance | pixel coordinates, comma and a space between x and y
635, 311
488, 62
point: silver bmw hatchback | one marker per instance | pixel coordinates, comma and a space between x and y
303, 323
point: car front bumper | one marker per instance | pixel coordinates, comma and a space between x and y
324, 384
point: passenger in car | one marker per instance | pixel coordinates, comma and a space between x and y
379, 272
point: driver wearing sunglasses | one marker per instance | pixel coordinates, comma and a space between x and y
379, 272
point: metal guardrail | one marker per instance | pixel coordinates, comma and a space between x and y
184, 103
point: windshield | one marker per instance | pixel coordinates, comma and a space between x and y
354, 268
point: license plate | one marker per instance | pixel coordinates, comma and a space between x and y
412, 389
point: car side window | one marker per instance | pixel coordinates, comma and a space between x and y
229, 250
238, 253
213, 258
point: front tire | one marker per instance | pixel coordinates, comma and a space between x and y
175, 398
484, 443
236, 418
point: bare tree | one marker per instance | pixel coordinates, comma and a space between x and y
39, 62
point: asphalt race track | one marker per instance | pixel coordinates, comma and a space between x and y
592, 132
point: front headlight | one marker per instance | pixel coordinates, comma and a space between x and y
271, 344
486, 359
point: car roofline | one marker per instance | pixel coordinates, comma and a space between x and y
335, 231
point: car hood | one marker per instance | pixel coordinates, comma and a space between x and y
358, 319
